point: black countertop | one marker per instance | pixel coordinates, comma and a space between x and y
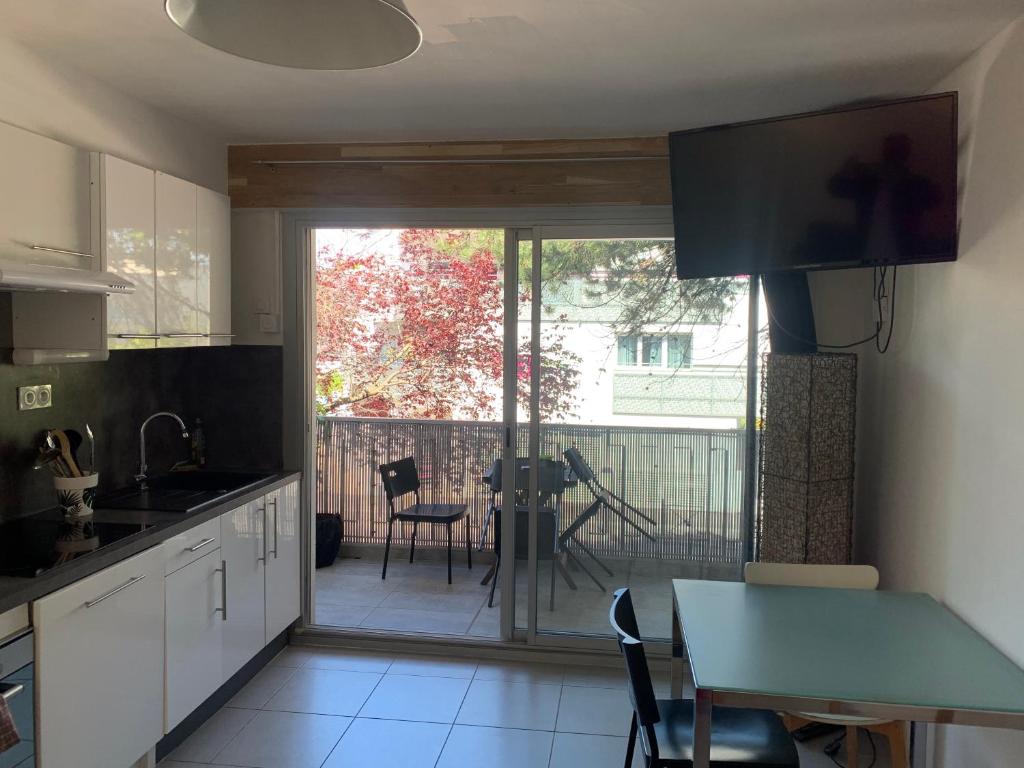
15, 591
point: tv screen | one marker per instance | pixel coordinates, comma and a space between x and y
870, 185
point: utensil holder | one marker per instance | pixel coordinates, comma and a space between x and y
75, 495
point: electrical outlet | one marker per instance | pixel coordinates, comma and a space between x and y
31, 398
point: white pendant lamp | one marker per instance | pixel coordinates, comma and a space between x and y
304, 34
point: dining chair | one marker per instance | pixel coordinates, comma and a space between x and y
400, 479
835, 577
740, 738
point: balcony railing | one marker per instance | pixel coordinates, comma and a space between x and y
689, 480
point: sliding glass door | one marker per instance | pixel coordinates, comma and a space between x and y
632, 403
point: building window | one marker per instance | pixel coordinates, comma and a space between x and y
680, 350
652, 350
627, 350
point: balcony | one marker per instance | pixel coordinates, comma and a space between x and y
690, 481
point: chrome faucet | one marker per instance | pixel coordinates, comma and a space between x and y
141, 477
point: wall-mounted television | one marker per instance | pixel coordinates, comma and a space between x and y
869, 185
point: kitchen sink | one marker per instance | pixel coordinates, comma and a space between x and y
179, 491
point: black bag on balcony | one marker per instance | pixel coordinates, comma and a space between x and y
328, 539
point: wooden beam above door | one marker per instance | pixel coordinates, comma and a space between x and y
479, 174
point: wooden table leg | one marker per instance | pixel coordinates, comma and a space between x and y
702, 729
852, 747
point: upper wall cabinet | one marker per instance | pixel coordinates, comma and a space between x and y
173, 240
127, 208
177, 316
45, 200
213, 267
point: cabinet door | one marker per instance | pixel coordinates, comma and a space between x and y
129, 230
213, 267
283, 559
45, 199
195, 619
100, 666
244, 551
176, 316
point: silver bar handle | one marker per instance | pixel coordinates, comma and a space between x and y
9, 690
132, 581
263, 512
182, 335
223, 571
219, 335
201, 544
69, 252
274, 502
138, 335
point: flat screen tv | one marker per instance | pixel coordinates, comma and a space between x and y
870, 185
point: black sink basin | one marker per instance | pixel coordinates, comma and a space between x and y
179, 491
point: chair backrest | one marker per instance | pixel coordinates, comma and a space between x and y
550, 480
579, 467
808, 575
399, 478
641, 689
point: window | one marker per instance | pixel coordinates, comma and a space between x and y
680, 350
627, 350
653, 355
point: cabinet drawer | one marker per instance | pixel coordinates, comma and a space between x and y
189, 546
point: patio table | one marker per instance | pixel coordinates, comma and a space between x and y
887, 655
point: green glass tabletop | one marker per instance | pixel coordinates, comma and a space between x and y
896, 648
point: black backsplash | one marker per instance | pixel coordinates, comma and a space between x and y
236, 391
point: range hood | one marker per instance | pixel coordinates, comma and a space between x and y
16, 276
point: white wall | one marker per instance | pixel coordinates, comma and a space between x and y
941, 440
55, 101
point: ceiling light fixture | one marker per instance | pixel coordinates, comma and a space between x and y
304, 34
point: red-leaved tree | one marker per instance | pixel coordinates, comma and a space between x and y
415, 332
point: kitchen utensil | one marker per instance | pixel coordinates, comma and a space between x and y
92, 447
50, 458
65, 452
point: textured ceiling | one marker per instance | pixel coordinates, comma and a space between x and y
531, 68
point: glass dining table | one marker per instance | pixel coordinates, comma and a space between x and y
878, 654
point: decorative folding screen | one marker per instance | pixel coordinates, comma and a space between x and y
806, 461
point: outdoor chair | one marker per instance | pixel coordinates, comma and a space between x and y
550, 485
740, 738
400, 479
603, 499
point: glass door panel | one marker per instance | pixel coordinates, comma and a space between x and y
642, 412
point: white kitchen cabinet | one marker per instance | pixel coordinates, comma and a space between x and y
176, 228
45, 199
100, 666
284, 556
213, 267
256, 276
127, 216
196, 596
244, 551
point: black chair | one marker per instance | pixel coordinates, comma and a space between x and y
603, 499
550, 484
740, 738
401, 478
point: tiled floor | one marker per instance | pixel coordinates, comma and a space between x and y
321, 708
417, 597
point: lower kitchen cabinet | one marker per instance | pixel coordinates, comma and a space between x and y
100, 666
244, 553
196, 598
284, 556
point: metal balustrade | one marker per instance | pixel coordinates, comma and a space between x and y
689, 480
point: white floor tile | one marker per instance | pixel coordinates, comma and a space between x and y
350, 660
510, 705
572, 750
595, 677
520, 672
433, 666
428, 622
213, 735
604, 711
424, 699
331, 615
285, 740
324, 692
389, 744
475, 747
265, 684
